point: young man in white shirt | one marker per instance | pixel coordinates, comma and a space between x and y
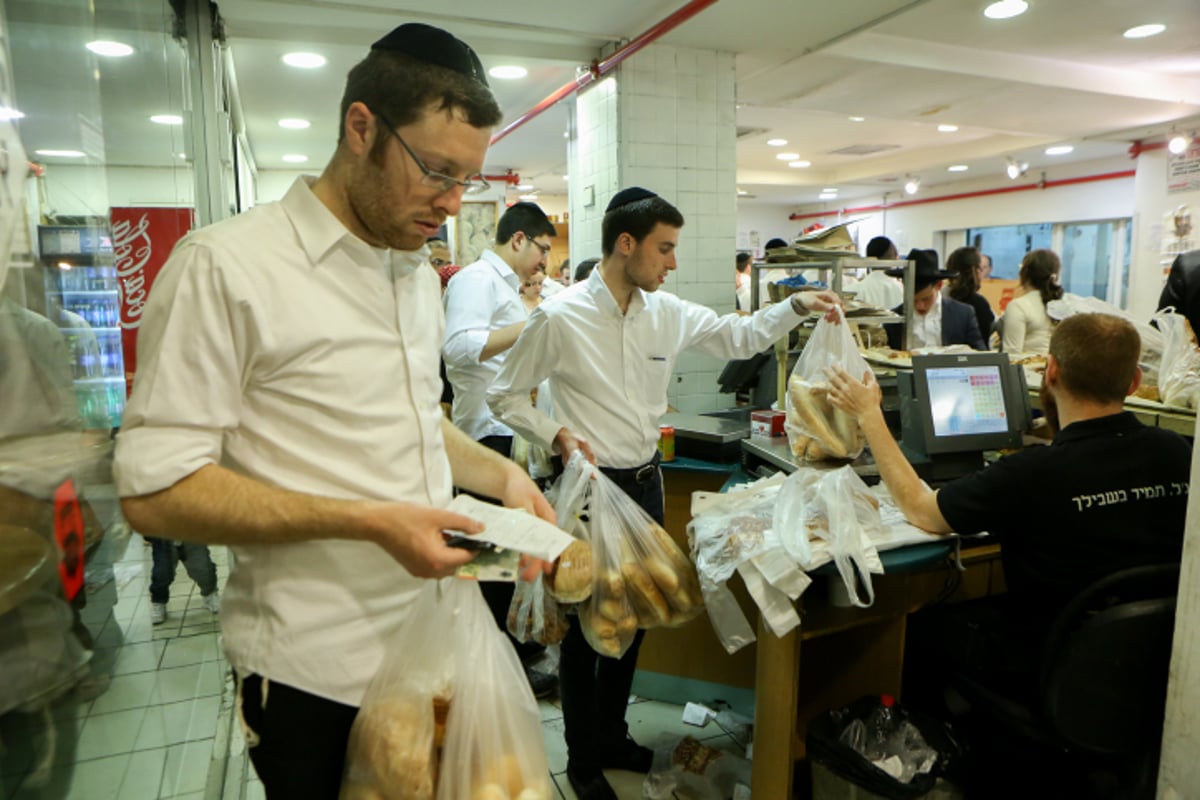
286, 405
484, 316
608, 346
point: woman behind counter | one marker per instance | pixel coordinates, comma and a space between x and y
1025, 325
967, 266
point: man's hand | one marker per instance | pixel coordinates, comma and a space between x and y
856, 398
568, 443
521, 492
825, 301
412, 534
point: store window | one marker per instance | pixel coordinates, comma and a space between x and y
1008, 244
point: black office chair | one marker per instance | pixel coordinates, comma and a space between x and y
1102, 684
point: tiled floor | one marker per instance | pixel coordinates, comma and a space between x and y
143, 722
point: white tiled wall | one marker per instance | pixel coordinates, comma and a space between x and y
667, 122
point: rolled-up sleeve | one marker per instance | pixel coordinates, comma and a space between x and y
194, 345
469, 303
527, 365
733, 336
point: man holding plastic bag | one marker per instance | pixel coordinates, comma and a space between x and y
608, 346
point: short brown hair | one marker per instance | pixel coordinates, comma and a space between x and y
401, 88
1097, 356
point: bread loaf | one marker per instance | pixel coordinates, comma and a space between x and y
391, 749
644, 597
809, 404
571, 581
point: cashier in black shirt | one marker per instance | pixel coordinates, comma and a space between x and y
1109, 493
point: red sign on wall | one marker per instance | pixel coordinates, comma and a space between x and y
142, 239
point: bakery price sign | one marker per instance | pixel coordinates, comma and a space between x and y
142, 238
1183, 170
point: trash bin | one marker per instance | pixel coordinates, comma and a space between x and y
841, 771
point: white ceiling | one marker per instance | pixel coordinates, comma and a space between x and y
1060, 74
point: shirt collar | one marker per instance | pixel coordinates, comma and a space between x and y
1119, 424
506, 273
319, 231
604, 299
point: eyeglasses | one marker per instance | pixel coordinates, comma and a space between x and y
474, 184
438, 262
545, 248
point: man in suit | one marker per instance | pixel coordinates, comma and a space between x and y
937, 320
1183, 287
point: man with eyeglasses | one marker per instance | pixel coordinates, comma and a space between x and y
484, 317
286, 405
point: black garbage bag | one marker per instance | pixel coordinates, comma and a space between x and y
828, 738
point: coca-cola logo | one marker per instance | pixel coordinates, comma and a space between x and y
132, 249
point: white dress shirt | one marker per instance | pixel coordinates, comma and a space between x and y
279, 345
609, 371
879, 290
927, 330
481, 298
551, 287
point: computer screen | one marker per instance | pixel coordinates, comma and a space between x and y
967, 402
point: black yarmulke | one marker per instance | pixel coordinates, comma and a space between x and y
627, 196
434, 46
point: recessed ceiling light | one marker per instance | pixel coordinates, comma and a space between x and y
182, 155
59, 153
1005, 9
524, 187
528, 198
826, 196
1142, 31
508, 72
742, 192
103, 47
1059, 150
304, 60
167, 119
829, 190
295, 158
800, 164
566, 177
787, 156
776, 142
10, 114
957, 168
294, 124
858, 119
947, 128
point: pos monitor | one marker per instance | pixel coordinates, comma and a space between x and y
955, 407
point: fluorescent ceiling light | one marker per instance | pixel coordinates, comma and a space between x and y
1006, 9
304, 60
524, 187
858, 119
10, 114
60, 153
826, 196
742, 192
508, 72
957, 168
528, 198
294, 124
829, 190
1142, 31
776, 142
167, 119
800, 164
1059, 150
102, 47
947, 128
295, 158
787, 156
1177, 144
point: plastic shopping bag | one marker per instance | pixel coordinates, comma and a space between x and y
816, 430
493, 747
845, 515
535, 616
1179, 370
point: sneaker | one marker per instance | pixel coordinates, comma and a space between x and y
212, 602
543, 684
158, 613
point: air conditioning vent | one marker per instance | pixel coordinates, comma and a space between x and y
742, 133
863, 149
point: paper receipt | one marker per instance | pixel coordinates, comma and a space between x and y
513, 529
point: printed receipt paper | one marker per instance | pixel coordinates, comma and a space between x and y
513, 529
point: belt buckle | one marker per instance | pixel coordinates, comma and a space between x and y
644, 473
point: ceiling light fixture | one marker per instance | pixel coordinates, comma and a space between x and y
827, 196
1142, 31
829, 190
800, 164
1059, 150
60, 153
1015, 169
167, 119
10, 114
295, 158
857, 119
1178, 144
742, 192
103, 47
957, 168
947, 128
776, 142
294, 124
508, 72
1006, 9
304, 60
912, 184
787, 156
528, 198
524, 187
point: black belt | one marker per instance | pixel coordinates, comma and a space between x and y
643, 474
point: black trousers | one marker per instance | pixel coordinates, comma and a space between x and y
595, 689
301, 751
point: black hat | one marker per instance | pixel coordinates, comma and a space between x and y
627, 196
435, 46
925, 268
